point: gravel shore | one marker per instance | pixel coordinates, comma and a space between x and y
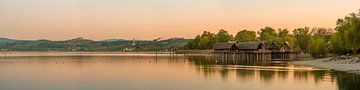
347, 64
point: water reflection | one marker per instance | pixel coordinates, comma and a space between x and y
148, 72
348, 81
269, 73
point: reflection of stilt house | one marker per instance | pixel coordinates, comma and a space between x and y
253, 51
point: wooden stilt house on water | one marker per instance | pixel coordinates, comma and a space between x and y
282, 52
253, 51
225, 47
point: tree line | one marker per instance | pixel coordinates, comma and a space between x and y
344, 39
81, 44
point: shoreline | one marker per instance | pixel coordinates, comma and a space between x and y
54, 53
337, 65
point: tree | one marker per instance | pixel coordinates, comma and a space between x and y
194, 44
286, 37
204, 41
348, 32
246, 36
336, 44
318, 48
207, 40
302, 36
283, 33
268, 35
223, 36
323, 32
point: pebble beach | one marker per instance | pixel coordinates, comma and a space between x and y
341, 63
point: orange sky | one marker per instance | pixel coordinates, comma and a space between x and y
149, 19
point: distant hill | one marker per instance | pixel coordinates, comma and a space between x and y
6, 40
82, 44
113, 40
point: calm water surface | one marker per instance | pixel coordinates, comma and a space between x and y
162, 73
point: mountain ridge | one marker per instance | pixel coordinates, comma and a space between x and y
83, 44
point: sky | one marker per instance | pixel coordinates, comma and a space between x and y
150, 19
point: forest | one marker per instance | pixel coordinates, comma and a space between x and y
318, 41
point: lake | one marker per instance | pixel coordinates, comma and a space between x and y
147, 72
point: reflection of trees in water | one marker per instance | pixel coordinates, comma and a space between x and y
320, 75
348, 81
301, 75
199, 60
282, 74
88, 60
263, 73
267, 76
208, 72
224, 73
41, 60
245, 75
209, 68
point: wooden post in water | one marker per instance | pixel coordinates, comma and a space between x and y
156, 56
4, 51
171, 54
4, 54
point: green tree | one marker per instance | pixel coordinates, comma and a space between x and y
246, 36
323, 32
268, 35
348, 32
223, 36
318, 48
302, 36
204, 41
194, 44
336, 44
286, 37
207, 40
283, 33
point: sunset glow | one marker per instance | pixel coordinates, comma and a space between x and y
149, 19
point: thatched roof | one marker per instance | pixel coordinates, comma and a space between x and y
286, 46
273, 46
224, 46
248, 45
